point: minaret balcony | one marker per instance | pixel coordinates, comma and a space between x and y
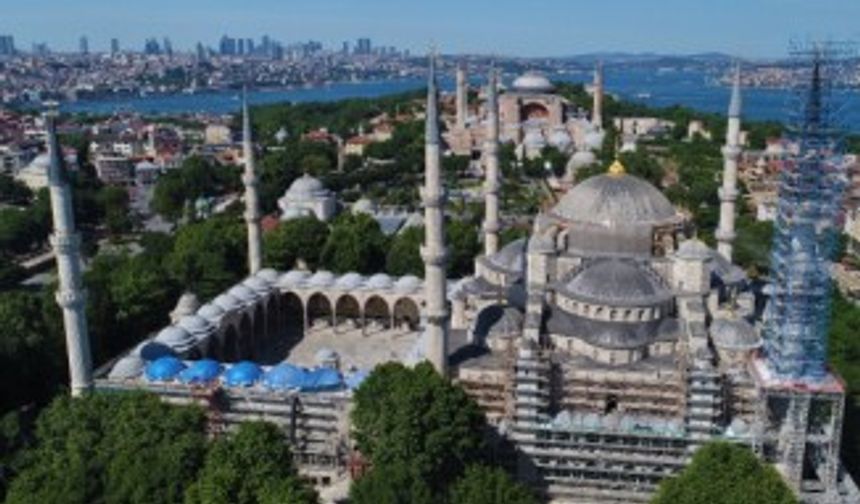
434, 256
65, 243
491, 227
724, 235
728, 194
71, 298
433, 199
250, 180
731, 152
492, 186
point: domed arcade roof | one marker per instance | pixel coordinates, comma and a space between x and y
532, 82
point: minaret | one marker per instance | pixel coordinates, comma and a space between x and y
66, 242
597, 96
252, 197
433, 251
725, 233
491, 170
462, 96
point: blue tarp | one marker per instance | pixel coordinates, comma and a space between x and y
154, 350
202, 371
243, 374
164, 368
286, 376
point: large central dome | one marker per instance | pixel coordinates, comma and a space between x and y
615, 198
532, 82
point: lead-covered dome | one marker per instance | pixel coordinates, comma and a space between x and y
305, 188
615, 198
533, 82
616, 282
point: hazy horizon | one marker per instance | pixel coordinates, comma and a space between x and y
539, 28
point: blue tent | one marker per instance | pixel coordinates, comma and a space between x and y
202, 371
285, 376
243, 374
164, 368
323, 379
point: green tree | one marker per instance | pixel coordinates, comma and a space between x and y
302, 238
356, 243
115, 206
415, 418
723, 473
102, 448
253, 466
169, 196
13, 192
489, 485
208, 256
391, 484
462, 237
404, 255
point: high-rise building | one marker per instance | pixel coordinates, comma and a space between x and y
363, 46
168, 47
84, 45
241, 49
227, 46
7, 45
249, 46
345, 48
114, 46
151, 47
201, 52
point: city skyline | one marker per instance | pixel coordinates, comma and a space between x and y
551, 28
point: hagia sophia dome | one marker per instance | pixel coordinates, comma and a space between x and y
532, 82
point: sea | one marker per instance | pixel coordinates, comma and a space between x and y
661, 87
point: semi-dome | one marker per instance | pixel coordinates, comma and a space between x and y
379, 281
292, 279
511, 258
127, 368
560, 139
616, 282
227, 302
533, 82
734, 334
615, 198
305, 188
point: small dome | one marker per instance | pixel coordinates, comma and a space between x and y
594, 140
615, 199
269, 275
290, 213
560, 139
211, 312
127, 368
734, 334
187, 305
321, 279
243, 374
512, 257
322, 379
198, 326
202, 371
532, 82
164, 369
258, 285
364, 206
616, 282
379, 281
408, 283
176, 338
285, 376
152, 350
244, 294
227, 302
292, 279
580, 159
350, 281
694, 250
305, 188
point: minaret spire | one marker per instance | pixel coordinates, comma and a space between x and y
725, 233
491, 169
433, 251
66, 242
597, 96
462, 96
252, 198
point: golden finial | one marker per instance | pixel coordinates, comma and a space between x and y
616, 169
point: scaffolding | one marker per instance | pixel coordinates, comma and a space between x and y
811, 185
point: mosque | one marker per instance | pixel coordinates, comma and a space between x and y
605, 347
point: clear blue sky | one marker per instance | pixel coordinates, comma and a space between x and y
758, 28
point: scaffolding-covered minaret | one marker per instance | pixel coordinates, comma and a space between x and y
491, 170
725, 233
433, 252
252, 197
66, 242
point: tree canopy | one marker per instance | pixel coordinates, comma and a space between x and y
723, 473
302, 238
483, 484
356, 243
